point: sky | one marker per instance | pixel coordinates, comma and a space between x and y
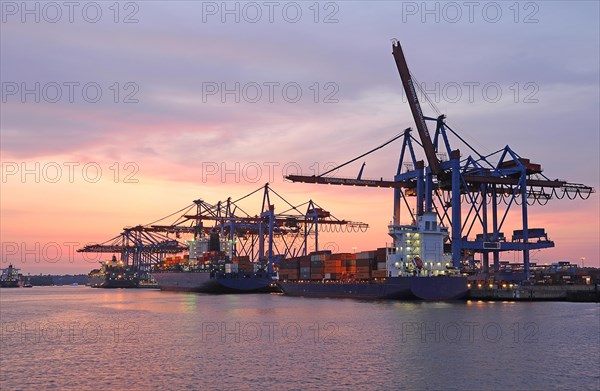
116, 114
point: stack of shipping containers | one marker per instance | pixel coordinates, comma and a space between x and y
323, 265
243, 264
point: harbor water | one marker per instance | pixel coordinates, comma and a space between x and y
83, 338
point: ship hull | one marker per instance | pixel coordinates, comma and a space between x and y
96, 282
204, 282
120, 284
183, 281
439, 288
245, 283
394, 288
105, 282
10, 284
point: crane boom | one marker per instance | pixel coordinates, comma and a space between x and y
346, 181
415, 108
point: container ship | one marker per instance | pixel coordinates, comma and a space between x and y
11, 278
113, 274
414, 267
207, 269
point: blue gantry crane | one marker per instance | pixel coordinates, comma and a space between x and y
473, 194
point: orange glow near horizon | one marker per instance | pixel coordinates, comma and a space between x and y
39, 220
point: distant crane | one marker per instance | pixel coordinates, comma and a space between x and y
264, 237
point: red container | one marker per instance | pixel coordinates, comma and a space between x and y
305, 261
363, 269
363, 262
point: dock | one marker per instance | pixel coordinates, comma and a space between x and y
574, 293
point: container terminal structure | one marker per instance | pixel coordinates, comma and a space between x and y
472, 195
225, 241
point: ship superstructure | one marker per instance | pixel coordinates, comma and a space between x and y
418, 249
113, 273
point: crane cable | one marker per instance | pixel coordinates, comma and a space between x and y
363, 155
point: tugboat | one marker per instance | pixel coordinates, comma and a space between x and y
113, 274
11, 278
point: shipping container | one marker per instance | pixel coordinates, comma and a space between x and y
343, 256
321, 252
365, 255
332, 266
363, 262
290, 264
305, 261
288, 275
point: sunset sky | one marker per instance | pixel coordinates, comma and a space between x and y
132, 121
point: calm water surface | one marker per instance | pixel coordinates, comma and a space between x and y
83, 338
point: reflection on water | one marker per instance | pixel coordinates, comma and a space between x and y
78, 337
